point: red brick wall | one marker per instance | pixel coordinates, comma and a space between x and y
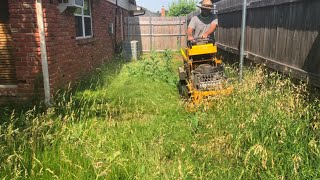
23, 21
69, 59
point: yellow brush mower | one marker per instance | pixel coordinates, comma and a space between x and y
202, 75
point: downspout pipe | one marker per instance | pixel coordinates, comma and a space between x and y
44, 57
115, 25
243, 28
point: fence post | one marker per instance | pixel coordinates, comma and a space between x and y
243, 28
186, 30
180, 32
150, 33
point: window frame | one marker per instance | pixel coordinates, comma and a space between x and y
83, 16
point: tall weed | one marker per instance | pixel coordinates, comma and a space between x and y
127, 122
156, 67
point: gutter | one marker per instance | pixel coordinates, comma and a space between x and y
134, 9
44, 57
143, 13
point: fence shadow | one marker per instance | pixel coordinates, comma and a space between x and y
312, 63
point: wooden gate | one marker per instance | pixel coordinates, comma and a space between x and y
157, 33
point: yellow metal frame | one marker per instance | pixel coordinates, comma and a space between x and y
202, 49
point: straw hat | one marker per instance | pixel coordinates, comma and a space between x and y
206, 4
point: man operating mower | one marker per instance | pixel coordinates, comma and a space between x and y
202, 74
203, 25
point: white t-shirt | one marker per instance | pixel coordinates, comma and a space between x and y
202, 24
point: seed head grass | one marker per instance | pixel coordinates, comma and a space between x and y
127, 121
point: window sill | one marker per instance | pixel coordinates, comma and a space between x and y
86, 40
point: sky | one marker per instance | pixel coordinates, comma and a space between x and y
154, 5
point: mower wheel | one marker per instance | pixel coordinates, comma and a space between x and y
183, 90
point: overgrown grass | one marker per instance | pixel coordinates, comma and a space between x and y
128, 122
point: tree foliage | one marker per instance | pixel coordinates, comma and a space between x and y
181, 7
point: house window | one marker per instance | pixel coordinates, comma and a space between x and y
83, 20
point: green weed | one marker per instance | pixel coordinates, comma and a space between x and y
127, 121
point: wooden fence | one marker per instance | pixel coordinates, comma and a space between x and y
283, 34
157, 33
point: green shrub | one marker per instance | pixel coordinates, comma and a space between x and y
181, 7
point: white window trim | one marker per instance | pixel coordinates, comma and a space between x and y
83, 25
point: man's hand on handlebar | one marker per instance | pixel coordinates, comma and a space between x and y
205, 36
190, 38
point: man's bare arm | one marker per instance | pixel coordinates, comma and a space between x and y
190, 32
210, 31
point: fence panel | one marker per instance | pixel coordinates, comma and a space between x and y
283, 34
157, 33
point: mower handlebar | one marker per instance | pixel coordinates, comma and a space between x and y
197, 41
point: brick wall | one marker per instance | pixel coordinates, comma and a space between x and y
23, 21
69, 59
